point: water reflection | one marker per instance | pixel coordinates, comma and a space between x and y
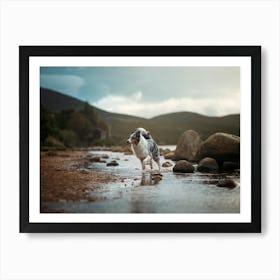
150, 179
150, 193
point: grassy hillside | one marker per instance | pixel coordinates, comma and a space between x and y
165, 129
56, 101
170, 126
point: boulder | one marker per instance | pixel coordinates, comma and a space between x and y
166, 164
183, 166
226, 183
112, 163
188, 146
222, 147
208, 165
170, 155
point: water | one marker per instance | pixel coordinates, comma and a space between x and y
173, 193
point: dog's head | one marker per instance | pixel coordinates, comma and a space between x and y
135, 136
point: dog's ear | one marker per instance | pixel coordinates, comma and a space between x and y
147, 135
138, 133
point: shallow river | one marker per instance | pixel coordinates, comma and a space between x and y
174, 193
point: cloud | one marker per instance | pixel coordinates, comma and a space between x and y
134, 105
69, 84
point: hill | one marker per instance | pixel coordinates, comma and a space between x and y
165, 129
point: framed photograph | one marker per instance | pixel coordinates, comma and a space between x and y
140, 138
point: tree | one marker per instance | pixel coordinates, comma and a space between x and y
48, 125
90, 113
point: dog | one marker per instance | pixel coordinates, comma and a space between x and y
144, 147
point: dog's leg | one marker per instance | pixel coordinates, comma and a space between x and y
151, 164
143, 166
158, 163
147, 160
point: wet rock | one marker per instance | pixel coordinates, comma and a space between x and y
226, 183
188, 146
104, 156
222, 147
230, 166
164, 151
166, 164
112, 163
94, 158
207, 165
183, 166
170, 155
102, 161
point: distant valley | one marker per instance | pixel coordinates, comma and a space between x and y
165, 129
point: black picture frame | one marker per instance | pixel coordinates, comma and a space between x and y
254, 52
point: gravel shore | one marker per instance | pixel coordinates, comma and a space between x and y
64, 177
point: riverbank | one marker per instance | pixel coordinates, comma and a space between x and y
64, 177
86, 182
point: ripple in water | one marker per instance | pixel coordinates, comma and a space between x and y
173, 193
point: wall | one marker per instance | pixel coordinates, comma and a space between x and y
139, 256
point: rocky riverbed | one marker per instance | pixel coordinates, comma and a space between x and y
106, 181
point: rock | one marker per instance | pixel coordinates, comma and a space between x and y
164, 151
208, 165
166, 164
183, 166
229, 166
226, 183
222, 147
94, 158
188, 146
170, 155
112, 163
104, 156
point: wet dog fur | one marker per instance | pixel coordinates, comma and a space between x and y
144, 148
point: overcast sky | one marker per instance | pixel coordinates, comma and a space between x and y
150, 91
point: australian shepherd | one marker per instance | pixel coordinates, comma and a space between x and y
144, 147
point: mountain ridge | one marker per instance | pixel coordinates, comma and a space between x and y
165, 128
